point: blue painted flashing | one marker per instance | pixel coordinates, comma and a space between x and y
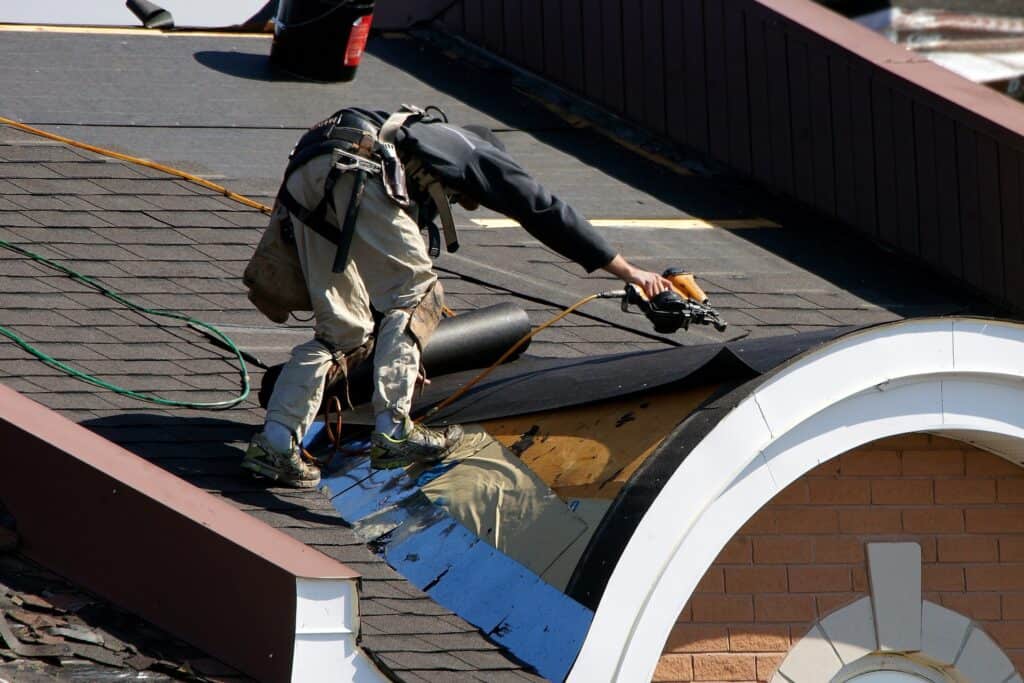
535, 621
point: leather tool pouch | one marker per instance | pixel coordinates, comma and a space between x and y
273, 275
426, 315
337, 383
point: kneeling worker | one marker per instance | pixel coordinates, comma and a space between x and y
357, 189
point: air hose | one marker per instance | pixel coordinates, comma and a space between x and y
512, 349
110, 294
207, 328
214, 332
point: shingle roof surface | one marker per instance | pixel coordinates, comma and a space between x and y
167, 243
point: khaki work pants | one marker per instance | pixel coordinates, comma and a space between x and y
388, 267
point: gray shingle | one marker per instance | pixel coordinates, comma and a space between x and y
16, 218
419, 661
192, 219
38, 153
130, 219
92, 169
122, 202
201, 203
61, 186
26, 170
485, 661
141, 186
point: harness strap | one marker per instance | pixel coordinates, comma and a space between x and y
444, 211
348, 228
389, 131
307, 217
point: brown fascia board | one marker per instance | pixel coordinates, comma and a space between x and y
991, 112
151, 543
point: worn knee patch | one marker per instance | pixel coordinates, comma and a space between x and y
426, 315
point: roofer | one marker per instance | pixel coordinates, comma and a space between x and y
357, 190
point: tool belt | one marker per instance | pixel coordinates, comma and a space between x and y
273, 275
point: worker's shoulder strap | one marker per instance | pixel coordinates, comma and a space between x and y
388, 136
344, 129
407, 113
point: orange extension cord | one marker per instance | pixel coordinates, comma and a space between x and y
141, 162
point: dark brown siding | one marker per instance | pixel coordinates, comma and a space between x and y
801, 100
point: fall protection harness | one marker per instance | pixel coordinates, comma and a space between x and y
357, 146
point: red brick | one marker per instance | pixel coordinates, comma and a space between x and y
725, 667
829, 468
839, 491
761, 523
815, 579
784, 608
928, 548
954, 491
794, 494
829, 603
870, 521
722, 608
983, 606
944, 443
982, 464
1017, 657
838, 550
968, 549
1011, 490
933, 463
697, 638
1013, 606
941, 577
866, 463
934, 520
1009, 634
767, 665
673, 668
759, 639
686, 615
901, 491
905, 442
860, 580
995, 577
713, 582
1011, 548
755, 579
807, 521
995, 520
739, 550
782, 550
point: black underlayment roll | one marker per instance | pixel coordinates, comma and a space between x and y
463, 342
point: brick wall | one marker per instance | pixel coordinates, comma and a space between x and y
802, 556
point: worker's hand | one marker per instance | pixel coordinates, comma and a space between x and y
650, 282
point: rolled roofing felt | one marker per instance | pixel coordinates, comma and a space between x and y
463, 342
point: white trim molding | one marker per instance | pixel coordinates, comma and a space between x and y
959, 377
326, 627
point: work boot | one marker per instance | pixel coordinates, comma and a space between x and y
287, 468
420, 444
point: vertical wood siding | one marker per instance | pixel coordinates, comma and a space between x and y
776, 91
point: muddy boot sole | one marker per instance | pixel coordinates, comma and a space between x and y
262, 471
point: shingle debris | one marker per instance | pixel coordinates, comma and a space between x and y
50, 630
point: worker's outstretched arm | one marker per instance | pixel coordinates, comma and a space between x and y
650, 282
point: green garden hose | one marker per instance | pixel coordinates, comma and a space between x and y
110, 294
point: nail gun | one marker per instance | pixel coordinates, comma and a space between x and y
680, 306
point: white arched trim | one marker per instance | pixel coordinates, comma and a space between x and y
959, 377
